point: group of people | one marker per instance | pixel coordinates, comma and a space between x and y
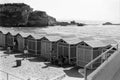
60, 61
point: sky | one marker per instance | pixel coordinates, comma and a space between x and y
94, 10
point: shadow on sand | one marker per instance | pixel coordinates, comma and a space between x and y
37, 59
48, 64
73, 72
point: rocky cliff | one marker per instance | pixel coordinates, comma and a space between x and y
20, 14
40, 18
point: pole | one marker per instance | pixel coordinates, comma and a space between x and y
69, 53
7, 76
117, 46
85, 71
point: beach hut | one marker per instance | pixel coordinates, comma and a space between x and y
46, 48
9, 40
2, 39
19, 42
15, 43
49, 46
67, 48
34, 44
89, 50
26, 36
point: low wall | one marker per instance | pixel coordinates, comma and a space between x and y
108, 69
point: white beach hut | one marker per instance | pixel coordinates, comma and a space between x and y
89, 50
67, 48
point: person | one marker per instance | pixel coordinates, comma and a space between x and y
60, 61
66, 59
25, 52
8, 50
56, 61
52, 61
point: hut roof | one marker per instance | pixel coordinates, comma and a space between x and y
24, 34
53, 38
5, 32
14, 33
96, 43
72, 40
37, 36
8, 33
30, 37
18, 34
109, 41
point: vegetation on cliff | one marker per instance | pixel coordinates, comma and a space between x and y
20, 14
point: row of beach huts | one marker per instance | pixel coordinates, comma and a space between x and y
76, 51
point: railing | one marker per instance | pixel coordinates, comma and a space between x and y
8, 75
94, 60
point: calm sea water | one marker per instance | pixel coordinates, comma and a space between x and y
108, 33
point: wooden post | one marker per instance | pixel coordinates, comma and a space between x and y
36, 47
50, 50
23, 43
102, 57
57, 50
77, 55
85, 73
92, 57
7, 76
69, 52
117, 46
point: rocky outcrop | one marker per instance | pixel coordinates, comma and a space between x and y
20, 14
40, 18
14, 14
107, 23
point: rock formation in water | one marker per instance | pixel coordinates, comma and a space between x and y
107, 23
20, 14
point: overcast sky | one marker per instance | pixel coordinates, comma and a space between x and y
101, 10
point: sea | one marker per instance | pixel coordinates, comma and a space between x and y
106, 33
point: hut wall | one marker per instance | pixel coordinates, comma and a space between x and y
54, 49
46, 48
26, 41
63, 50
73, 53
84, 55
96, 53
21, 43
2, 40
9, 40
32, 46
38, 47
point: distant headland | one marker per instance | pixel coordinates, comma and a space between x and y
109, 23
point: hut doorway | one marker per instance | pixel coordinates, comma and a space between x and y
15, 45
